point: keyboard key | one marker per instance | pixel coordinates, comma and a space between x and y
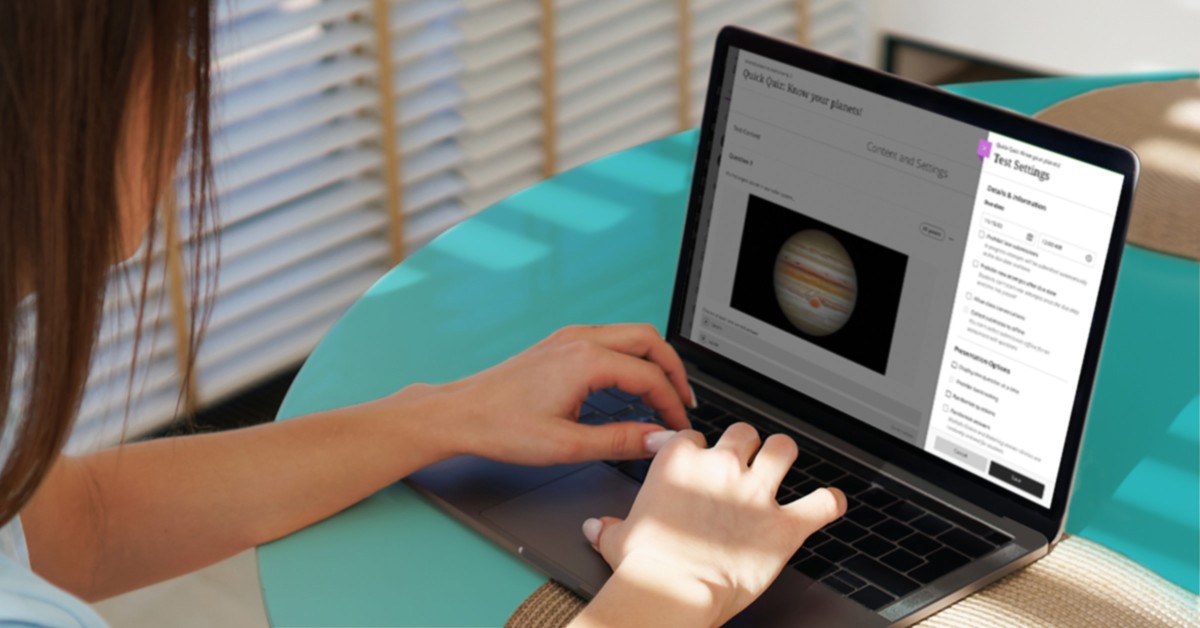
904, 511
636, 469
892, 530
806, 487
847, 530
874, 545
877, 497
794, 477
708, 412
723, 422
826, 472
854, 580
938, 564
930, 524
814, 567
622, 395
834, 551
966, 542
919, 544
711, 434
607, 404
864, 515
851, 485
816, 538
901, 560
593, 418
644, 410
997, 538
883, 576
805, 460
801, 554
837, 584
978, 528
872, 598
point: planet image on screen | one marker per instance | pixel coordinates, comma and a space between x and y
815, 282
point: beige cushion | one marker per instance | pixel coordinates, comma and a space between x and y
1160, 121
1080, 583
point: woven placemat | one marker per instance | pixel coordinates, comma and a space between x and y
1160, 121
1080, 583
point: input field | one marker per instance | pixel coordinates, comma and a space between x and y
1040, 241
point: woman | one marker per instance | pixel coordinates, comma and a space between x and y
96, 100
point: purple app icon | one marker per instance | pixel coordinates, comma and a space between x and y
985, 148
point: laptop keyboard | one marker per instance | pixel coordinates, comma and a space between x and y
890, 542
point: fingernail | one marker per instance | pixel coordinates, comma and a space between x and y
591, 530
695, 404
654, 441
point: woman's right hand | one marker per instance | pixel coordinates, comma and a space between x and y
705, 536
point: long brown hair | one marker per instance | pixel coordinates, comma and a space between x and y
69, 72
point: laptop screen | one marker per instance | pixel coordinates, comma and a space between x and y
933, 279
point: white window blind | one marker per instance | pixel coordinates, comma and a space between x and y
772, 17
844, 28
503, 111
302, 168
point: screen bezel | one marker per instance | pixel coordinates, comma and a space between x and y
1048, 521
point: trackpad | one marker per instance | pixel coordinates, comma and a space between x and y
546, 522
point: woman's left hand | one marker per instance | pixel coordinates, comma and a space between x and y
525, 410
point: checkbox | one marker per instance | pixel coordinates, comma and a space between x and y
954, 365
975, 263
945, 407
948, 394
982, 233
968, 296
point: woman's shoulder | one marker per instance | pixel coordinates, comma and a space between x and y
28, 600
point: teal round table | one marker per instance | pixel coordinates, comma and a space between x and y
599, 244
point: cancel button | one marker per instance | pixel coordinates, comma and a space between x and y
959, 453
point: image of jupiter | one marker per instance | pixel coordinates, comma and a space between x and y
815, 282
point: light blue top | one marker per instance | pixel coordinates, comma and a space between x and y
25, 598
600, 244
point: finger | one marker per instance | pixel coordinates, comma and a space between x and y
613, 441
742, 439
638, 377
693, 437
598, 533
642, 340
817, 509
774, 459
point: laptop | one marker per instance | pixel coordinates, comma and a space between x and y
912, 285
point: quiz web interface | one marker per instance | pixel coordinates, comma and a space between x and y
928, 277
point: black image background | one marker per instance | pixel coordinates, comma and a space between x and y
866, 338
